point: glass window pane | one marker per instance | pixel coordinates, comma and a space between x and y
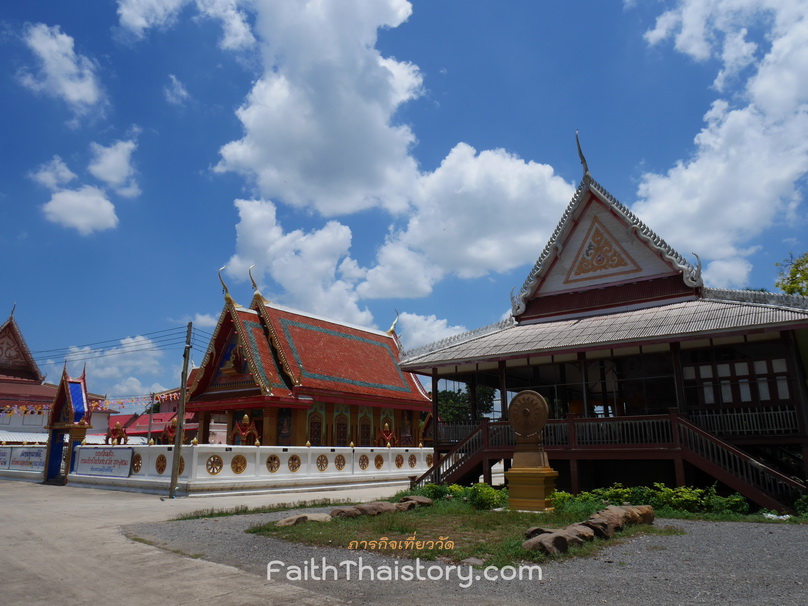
723, 370
706, 372
741, 368
726, 392
746, 392
761, 367
763, 389
689, 373
782, 388
779, 365
709, 398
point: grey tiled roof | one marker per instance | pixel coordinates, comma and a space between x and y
714, 314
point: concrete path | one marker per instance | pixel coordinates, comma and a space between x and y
63, 545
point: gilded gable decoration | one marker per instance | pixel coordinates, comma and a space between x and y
600, 255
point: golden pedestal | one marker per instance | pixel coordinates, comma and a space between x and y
529, 488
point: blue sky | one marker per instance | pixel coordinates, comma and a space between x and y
371, 156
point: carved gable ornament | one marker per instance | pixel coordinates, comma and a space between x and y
600, 256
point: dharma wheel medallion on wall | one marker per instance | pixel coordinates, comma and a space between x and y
322, 462
339, 462
273, 463
293, 463
214, 464
137, 462
161, 463
364, 461
238, 464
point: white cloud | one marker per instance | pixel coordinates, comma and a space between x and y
175, 92
318, 125
237, 34
113, 371
749, 158
415, 330
62, 73
138, 16
205, 320
85, 209
113, 165
475, 214
54, 174
310, 267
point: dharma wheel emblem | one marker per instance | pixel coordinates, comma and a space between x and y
214, 464
273, 463
238, 464
363, 462
137, 462
378, 461
160, 464
399, 461
412, 460
339, 462
322, 462
528, 413
293, 463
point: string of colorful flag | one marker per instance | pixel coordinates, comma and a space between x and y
106, 404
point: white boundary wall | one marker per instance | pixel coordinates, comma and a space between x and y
214, 468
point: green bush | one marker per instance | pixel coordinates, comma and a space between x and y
801, 505
484, 496
434, 491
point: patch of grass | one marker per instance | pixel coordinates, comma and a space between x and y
244, 510
675, 514
136, 539
495, 537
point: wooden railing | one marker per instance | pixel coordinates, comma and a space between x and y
739, 422
737, 465
673, 432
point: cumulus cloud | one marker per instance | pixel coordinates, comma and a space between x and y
318, 125
175, 92
312, 268
54, 174
749, 158
415, 330
113, 165
138, 16
477, 213
86, 210
62, 72
116, 370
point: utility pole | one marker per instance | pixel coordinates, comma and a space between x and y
151, 416
175, 466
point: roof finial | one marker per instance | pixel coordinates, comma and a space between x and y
392, 329
255, 286
228, 299
587, 175
13, 307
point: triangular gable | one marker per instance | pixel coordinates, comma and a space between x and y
16, 361
329, 357
600, 244
71, 404
238, 359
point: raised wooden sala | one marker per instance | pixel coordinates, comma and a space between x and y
282, 377
650, 375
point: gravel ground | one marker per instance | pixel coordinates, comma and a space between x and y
713, 563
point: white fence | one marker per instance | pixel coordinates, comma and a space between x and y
212, 468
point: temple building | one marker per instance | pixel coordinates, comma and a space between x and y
650, 376
25, 397
277, 376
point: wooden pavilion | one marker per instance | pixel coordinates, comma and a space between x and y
649, 374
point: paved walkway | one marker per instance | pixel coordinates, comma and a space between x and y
63, 545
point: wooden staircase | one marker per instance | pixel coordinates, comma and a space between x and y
670, 436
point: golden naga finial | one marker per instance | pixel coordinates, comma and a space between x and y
392, 328
255, 286
227, 297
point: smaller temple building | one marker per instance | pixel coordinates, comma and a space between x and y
280, 377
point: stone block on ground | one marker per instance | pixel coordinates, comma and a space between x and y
421, 501
376, 507
345, 512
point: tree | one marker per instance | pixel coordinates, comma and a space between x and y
455, 406
794, 275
